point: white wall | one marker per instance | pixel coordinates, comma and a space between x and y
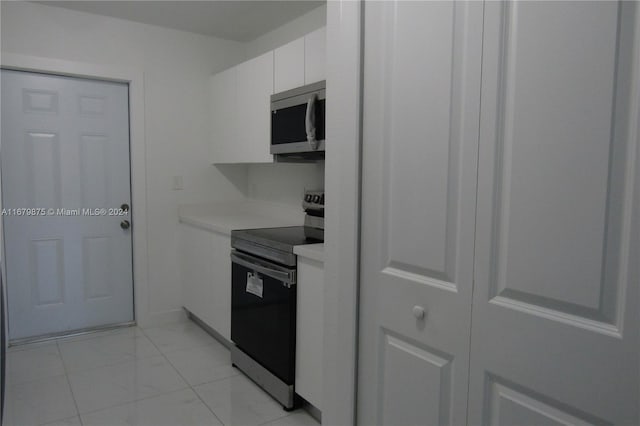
281, 182
176, 67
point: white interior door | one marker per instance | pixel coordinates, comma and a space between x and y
555, 312
65, 145
421, 112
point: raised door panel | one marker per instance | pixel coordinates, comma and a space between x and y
253, 110
421, 108
223, 116
42, 170
46, 270
557, 175
94, 170
315, 56
508, 405
422, 377
98, 260
289, 61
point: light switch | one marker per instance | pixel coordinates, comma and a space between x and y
177, 183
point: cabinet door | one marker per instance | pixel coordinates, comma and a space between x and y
221, 284
420, 139
223, 116
253, 110
289, 66
315, 62
310, 331
196, 270
555, 313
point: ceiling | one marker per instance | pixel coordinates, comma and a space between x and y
238, 20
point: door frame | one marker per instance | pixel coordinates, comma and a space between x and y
342, 233
137, 150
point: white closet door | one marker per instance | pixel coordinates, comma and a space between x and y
420, 137
555, 312
65, 146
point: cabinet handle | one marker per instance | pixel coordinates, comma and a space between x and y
419, 312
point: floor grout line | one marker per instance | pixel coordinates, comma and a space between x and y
183, 378
26, 382
161, 353
287, 414
66, 376
112, 364
80, 414
121, 404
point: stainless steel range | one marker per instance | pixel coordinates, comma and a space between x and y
263, 300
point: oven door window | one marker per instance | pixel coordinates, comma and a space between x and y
263, 325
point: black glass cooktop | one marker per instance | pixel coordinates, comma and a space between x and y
282, 238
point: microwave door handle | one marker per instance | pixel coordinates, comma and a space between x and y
310, 122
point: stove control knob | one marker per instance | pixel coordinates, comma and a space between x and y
322, 199
316, 199
308, 198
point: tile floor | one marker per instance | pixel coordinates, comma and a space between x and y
171, 375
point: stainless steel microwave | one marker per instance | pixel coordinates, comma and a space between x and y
297, 120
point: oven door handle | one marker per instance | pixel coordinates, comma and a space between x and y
288, 277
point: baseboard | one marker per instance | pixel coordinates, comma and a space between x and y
162, 318
219, 337
313, 411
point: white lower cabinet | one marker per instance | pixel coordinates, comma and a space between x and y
206, 277
310, 330
221, 282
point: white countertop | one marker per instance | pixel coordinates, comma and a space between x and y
247, 214
311, 251
225, 217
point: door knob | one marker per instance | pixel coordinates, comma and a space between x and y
125, 224
418, 312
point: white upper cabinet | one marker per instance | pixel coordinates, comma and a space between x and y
289, 65
300, 62
315, 47
240, 112
241, 97
224, 104
255, 87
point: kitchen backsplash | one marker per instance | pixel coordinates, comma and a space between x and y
284, 182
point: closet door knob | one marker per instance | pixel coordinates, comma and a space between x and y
418, 312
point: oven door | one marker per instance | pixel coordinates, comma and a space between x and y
263, 313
